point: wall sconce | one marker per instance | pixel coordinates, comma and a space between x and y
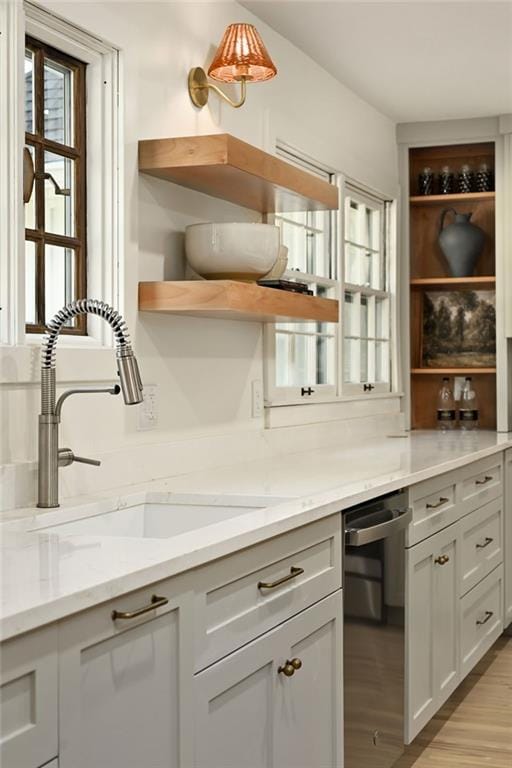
240, 58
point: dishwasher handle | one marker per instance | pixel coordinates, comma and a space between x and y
358, 537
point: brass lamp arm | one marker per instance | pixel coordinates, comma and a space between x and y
199, 88
235, 104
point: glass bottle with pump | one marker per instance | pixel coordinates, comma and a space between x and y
468, 411
446, 413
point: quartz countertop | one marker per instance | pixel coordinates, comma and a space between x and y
46, 576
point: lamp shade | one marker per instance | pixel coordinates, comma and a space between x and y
241, 54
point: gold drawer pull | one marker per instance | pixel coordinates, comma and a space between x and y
294, 572
488, 615
442, 500
290, 667
487, 479
442, 560
156, 602
486, 543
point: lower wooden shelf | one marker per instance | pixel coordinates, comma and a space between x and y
452, 371
454, 283
228, 299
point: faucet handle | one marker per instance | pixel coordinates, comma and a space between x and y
83, 460
67, 457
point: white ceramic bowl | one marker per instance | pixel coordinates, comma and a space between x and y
232, 251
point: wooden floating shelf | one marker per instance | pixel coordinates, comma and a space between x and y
452, 371
225, 167
228, 299
454, 282
460, 197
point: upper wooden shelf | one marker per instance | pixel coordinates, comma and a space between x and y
225, 167
451, 283
232, 300
467, 197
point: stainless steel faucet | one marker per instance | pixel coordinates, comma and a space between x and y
50, 456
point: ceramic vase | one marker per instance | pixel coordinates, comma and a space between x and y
461, 242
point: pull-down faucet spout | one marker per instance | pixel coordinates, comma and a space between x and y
50, 458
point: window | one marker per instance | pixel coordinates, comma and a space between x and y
366, 297
55, 216
303, 356
311, 362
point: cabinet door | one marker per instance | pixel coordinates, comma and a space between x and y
507, 544
28, 699
250, 715
122, 682
432, 665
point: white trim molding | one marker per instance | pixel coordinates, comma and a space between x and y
18, 350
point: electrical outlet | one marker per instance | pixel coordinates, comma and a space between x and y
147, 411
257, 399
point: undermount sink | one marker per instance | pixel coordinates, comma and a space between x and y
160, 520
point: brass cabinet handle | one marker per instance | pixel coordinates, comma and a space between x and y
487, 479
442, 560
488, 615
442, 500
294, 572
156, 602
290, 667
486, 543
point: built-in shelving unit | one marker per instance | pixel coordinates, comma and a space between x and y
223, 166
228, 299
429, 272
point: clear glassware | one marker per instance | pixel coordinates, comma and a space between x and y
468, 412
446, 412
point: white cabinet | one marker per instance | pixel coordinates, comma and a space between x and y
507, 546
251, 715
432, 628
481, 619
28, 699
125, 683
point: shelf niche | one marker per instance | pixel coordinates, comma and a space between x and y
222, 166
429, 272
232, 300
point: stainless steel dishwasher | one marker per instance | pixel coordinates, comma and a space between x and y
374, 631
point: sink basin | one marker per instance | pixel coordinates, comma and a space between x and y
160, 520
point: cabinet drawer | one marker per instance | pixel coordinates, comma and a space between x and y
481, 540
434, 507
481, 619
481, 482
242, 596
28, 699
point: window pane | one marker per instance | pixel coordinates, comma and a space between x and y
58, 87
364, 360
382, 362
30, 207
308, 239
382, 318
351, 367
364, 316
59, 208
59, 279
29, 91
30, 282
304, 359
350, 320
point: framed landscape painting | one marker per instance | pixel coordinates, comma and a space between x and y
459, 329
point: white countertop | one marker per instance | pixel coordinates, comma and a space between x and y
47, 576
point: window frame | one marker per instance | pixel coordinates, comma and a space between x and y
352, 190
77, 152
340, 391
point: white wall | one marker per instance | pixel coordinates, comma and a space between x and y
204, 369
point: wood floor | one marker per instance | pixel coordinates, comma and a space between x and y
474, 728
